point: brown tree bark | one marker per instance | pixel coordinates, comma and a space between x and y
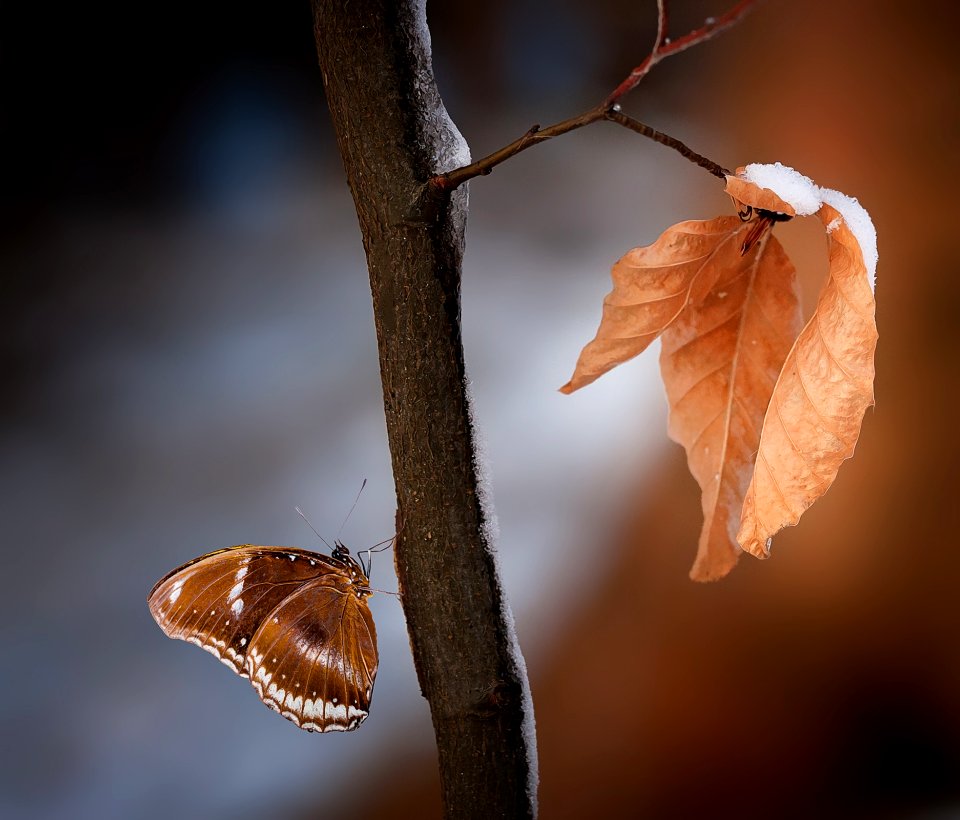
394, 135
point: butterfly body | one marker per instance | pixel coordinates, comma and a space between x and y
295, 623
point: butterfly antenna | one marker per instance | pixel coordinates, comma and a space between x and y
307, 520
345, 520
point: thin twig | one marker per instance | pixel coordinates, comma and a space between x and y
645, 130
667, 47
663, 23
535, 135
609, 109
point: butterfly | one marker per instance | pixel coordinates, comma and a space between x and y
295, 622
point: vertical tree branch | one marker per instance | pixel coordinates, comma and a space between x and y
394, 135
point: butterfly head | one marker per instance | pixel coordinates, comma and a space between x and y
359, 574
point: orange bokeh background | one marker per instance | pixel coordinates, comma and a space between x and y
824, 682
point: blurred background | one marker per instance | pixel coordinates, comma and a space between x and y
189, 352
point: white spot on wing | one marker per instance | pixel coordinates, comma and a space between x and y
231, 663
276, 693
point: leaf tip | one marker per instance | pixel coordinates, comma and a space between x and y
714, 564
707, 576
757, 548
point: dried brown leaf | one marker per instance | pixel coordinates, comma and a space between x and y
651, 287
720, 360
766, 415
819, 400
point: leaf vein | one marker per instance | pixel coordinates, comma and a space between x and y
813, 404
830, 353
786, 431
705, 333
706, 427
702, 379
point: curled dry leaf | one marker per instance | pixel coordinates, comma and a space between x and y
719, 362
818, 403
766, 416
728, 321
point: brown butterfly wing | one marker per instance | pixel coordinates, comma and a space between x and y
314, 659
219, 600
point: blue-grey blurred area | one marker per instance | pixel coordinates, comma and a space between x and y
190, 352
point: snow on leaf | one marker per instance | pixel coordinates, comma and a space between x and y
780, 181
817, 406
858, 221
746, 192
719, 362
